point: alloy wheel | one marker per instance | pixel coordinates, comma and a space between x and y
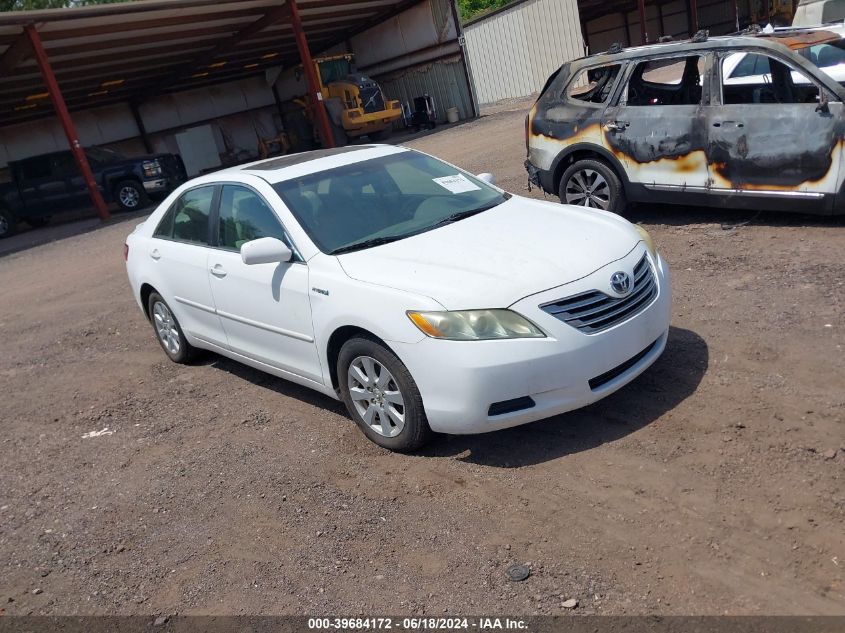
376, 396
588, 188
129, 196
166, 328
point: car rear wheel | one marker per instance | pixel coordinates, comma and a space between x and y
8, 223
591, 183
168, 331
130, 195
381, 396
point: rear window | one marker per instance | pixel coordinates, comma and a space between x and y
593, 85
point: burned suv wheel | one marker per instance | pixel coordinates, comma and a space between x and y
591, 183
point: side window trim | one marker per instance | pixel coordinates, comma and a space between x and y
214, 220
215, 199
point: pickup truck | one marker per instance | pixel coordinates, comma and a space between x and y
50, 184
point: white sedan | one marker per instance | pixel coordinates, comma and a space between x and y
424, 297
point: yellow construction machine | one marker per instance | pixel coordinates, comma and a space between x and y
355, 103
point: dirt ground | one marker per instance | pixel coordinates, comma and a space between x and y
715, 483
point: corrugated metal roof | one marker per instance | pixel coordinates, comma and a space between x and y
127, 51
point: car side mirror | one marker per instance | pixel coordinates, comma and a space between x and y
487, 177
265, 250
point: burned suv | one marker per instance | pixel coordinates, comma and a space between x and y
666, 123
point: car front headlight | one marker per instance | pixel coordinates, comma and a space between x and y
475, 325
646, 238
152, 168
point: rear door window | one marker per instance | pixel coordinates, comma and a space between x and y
669, 81
187, 218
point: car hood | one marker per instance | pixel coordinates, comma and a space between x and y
495, 258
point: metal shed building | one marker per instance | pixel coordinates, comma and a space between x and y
514, 49
137, 75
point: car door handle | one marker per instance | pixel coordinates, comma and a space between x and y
218, 271
728, 123
616, 126
155, 254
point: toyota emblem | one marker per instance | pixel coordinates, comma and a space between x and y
620, 282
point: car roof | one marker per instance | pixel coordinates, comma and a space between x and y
790, 38
289, 166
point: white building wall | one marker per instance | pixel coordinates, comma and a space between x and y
513, 52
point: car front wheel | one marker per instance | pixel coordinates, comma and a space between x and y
591, 183
381, 396
168, 331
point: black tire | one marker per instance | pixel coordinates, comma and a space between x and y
8, 223
588, 168
39, 222
183, 353
130, 195
381, 135
415, 431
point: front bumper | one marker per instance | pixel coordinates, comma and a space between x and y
460, 380
161, 185
367, 122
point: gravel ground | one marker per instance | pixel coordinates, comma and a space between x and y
712, 484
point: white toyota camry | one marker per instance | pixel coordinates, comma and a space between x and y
426, 298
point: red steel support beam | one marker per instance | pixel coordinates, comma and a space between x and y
67, 123
643, 31
315, 97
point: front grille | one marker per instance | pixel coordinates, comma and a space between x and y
606, 377
594, 311
371, 99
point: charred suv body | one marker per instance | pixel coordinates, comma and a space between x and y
660, 123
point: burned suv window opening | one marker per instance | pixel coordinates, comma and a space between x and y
593, 85
668, 81
779, 84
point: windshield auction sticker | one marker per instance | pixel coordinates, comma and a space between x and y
457, 183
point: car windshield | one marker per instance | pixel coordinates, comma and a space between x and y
383, 200
102, 156
826, 56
